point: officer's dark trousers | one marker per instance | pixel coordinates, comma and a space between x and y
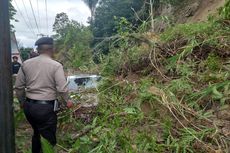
44, 123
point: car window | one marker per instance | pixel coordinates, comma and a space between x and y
81, 81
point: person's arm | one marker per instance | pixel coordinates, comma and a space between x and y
20, 86
12, 67
61, 83
19, 66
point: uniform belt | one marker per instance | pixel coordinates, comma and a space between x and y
46, 102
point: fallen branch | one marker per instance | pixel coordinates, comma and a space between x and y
63, 148
82, 133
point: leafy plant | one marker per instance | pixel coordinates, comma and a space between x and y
46, 146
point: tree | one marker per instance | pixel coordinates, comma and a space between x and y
12, 13
104, 22
60, 24
72, 41
92, 6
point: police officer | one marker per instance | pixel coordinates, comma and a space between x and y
39, 81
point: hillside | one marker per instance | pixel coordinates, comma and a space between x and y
168, 92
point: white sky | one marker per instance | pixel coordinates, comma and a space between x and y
75, 9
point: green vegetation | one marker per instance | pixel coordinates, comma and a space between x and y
72, 42
103, 23
12, 13
225, 11
46, 146
25, 53
159, 93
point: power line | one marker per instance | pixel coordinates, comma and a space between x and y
27, 15
34, 16
46, 18
39, 19
28, 26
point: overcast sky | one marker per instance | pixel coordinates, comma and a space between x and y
75, 9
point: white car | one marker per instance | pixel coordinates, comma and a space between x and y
83, 81
83, 89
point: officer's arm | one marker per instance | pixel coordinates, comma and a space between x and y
61, 83
20, 86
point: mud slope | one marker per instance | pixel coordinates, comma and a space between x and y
206, 8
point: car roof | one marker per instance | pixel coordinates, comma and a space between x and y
82, 76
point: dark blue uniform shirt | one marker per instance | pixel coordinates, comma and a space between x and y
15, 67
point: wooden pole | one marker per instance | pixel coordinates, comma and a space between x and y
7, 140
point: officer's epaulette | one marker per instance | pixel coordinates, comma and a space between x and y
59, 62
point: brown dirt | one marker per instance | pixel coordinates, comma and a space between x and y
23, 137
206, 8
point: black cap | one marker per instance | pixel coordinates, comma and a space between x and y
44, 41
